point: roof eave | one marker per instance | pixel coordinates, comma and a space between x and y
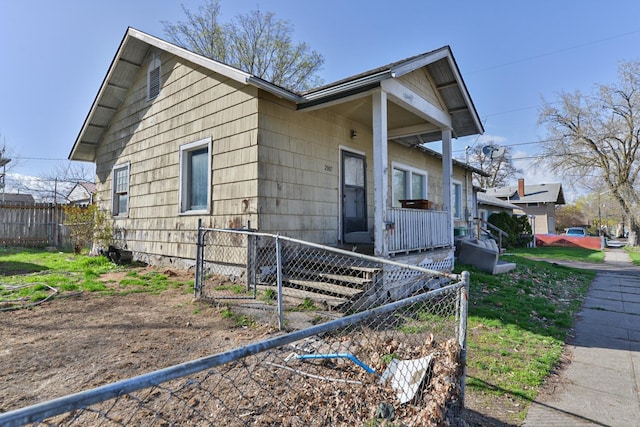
215, 66
342, 90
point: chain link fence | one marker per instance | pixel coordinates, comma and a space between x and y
392, 355
291, 283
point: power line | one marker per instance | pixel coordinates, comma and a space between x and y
36, 158
554, 52
520, 143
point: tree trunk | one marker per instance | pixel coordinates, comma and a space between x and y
632, 239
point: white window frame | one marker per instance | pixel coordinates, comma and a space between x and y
456, 199
153, 65
185, 149
115, 205
408, 184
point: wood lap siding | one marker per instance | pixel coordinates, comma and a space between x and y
299, 169
193, 104
419, 82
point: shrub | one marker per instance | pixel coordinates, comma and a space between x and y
516, 226
85, 225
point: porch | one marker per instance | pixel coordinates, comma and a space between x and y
406, 231
417, 230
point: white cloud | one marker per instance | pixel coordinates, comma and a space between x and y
42, 190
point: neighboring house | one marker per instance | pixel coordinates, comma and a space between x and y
82, 194
488, 205
16, 199
177, 137
538, 202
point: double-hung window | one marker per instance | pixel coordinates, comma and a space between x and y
195, 177
408, 183
120, 190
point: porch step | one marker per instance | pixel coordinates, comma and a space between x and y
338, 279
325, 277
324, 287
332, 302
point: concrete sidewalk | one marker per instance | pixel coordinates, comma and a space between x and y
603, 378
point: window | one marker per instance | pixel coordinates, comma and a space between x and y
408, 183
120, 193
457, 200
153, 78
195, 177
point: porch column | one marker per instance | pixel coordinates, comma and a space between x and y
447, 175
380, 172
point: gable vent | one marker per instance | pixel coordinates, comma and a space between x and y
153, 78
154, 82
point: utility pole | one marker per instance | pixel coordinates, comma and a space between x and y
3, 163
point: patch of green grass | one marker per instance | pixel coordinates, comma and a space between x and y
96, 286
68, 272
38, 296
426, 319
238, 319
518, 322
270, 294
306, 305
235, 288
561, 253
151, 282
634, 254
387, 358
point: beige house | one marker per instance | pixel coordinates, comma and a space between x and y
177, 137
538, 202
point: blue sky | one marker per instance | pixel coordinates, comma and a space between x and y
55, 54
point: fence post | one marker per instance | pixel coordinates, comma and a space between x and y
279, 280
252, 263
462, 331
197, 285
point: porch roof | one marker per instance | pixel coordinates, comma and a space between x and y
444, 74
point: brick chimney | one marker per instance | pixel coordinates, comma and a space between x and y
520, 187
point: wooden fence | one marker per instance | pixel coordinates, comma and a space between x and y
32, 225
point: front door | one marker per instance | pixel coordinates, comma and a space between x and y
354, 198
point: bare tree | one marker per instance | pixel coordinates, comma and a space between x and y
500, 168
570, 215
60, 181
255, 42
598, 137
202, 32
68, 171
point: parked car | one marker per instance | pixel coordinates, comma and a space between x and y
576, 231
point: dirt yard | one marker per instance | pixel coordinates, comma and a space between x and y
72, 344
75, 343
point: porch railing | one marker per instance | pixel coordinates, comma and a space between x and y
417, 229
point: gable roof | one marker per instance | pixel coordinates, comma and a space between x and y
81, 191
540, 193
447, 79
135, 46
